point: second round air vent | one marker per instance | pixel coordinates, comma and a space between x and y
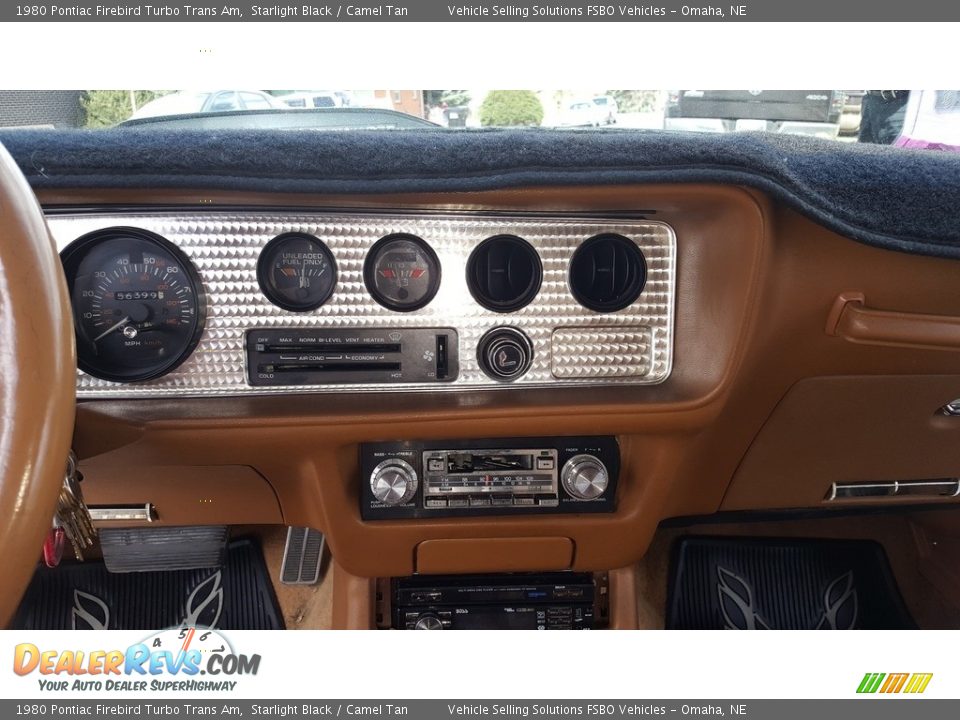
607, 273
504, 273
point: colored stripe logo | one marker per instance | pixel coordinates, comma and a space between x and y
910, 683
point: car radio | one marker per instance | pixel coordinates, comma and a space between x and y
544, 601
488, 477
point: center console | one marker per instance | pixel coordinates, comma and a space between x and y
450, 478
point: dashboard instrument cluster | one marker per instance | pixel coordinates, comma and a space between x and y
197, 303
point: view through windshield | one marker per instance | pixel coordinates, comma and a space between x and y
918, 119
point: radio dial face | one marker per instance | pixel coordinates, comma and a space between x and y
585, 477
393, 482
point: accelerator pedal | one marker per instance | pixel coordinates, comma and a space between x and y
302, 556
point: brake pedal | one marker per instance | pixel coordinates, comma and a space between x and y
302, 556
163, 548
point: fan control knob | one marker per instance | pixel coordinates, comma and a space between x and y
584, 477
393, 482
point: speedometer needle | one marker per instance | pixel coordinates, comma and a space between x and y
112, 328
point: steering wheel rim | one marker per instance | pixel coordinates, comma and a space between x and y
37, 382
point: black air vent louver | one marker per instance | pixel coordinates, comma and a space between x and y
607, 273
504, 273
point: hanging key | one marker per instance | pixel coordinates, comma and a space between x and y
73, 517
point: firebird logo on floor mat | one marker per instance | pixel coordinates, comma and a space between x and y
737, 604
203, 607
89, 612
205, 603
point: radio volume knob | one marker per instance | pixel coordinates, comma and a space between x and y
584, 477
393, 482
428, 622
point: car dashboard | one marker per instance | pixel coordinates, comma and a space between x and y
495, 380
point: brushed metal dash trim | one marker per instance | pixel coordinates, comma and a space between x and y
224, 246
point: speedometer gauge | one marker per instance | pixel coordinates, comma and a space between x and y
297, 272
138, 304
402, 272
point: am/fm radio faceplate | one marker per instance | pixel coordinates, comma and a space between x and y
488, 477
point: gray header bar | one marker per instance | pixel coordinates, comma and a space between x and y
872, 708
641, 11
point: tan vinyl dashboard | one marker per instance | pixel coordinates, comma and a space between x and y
763, 408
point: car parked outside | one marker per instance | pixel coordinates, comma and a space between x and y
188, 102
313, 99
609, 108
583, 113
800, 112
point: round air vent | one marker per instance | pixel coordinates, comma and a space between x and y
504, 273
607, 273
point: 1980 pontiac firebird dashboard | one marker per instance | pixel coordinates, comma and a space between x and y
493, 381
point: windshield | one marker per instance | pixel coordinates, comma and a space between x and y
927, 119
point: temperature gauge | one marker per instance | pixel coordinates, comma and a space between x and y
402, 272
297, 272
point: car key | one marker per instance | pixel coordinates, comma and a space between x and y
72, 515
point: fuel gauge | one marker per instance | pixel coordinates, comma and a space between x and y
402, 272
297, 272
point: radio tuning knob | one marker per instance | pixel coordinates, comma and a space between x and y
393, 482
428, 622
584, 477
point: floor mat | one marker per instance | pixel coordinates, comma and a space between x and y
84, 596
772, 584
